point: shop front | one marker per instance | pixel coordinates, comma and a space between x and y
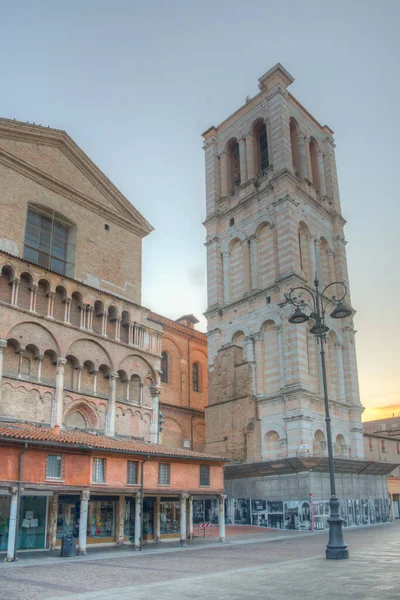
32, 522
100, 523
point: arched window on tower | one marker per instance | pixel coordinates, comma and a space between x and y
294, 143
234, 166
262, 147
164, 367
314, 163
196, 377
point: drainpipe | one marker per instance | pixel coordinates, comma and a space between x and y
21, 458
141, 500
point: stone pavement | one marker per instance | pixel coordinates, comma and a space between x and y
277, 568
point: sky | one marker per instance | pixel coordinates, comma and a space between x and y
136, 82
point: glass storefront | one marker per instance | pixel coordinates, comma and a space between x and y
101, 518
5, 502
31, 522
148, 518
170, 514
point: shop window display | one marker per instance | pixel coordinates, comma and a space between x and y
101, 519
170, 514
5, 503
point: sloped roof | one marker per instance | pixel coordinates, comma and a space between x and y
23, 431
101, 194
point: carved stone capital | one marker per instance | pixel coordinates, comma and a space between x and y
3, 344
85, 495
184, 497
114, 375
13, 490
155, 390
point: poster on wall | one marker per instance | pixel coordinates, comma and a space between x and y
259, 514
364, 512
350, 513
275, 514
372, 516
343, 511
305, 516
211, 511
242, 511
377, 510
291, 515
357, 512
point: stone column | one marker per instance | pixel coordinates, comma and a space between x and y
110, 430
104, 324
183, 500
67, 309
59, 392
85, 495
155, 392
52, 522
190, 517
50, 302
32, 300
340, 371
157, 521
78, 385
82, 316
251, 171
12, 527
259, 355
3, 346
302, 153
321, 172
120, 521
39, 370
14, 292
138, 533
242, 159
223, 161
118, 329
251, 359
308, 160
89, 317
281, 350
95, 382
221, 517
226, 260
246, 266
130, 333
318, 268
255, 272
21, 356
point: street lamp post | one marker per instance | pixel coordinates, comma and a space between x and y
336, 548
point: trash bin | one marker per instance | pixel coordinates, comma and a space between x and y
68, 546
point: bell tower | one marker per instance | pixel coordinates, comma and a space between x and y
274, 222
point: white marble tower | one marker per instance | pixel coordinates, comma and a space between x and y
273, 221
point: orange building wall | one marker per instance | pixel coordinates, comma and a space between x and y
77, 470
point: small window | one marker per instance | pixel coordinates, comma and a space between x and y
231, 222
268, 299
204, 475
195, 377
164, 367
383, 446
370, 443
398, 447
164, 474
99, 470
132, 478
53, 467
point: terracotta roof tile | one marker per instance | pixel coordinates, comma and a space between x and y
75, 437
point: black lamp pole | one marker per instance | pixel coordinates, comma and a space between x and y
336, 548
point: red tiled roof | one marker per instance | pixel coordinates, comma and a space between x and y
68, 437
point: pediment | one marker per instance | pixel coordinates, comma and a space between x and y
54, 155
